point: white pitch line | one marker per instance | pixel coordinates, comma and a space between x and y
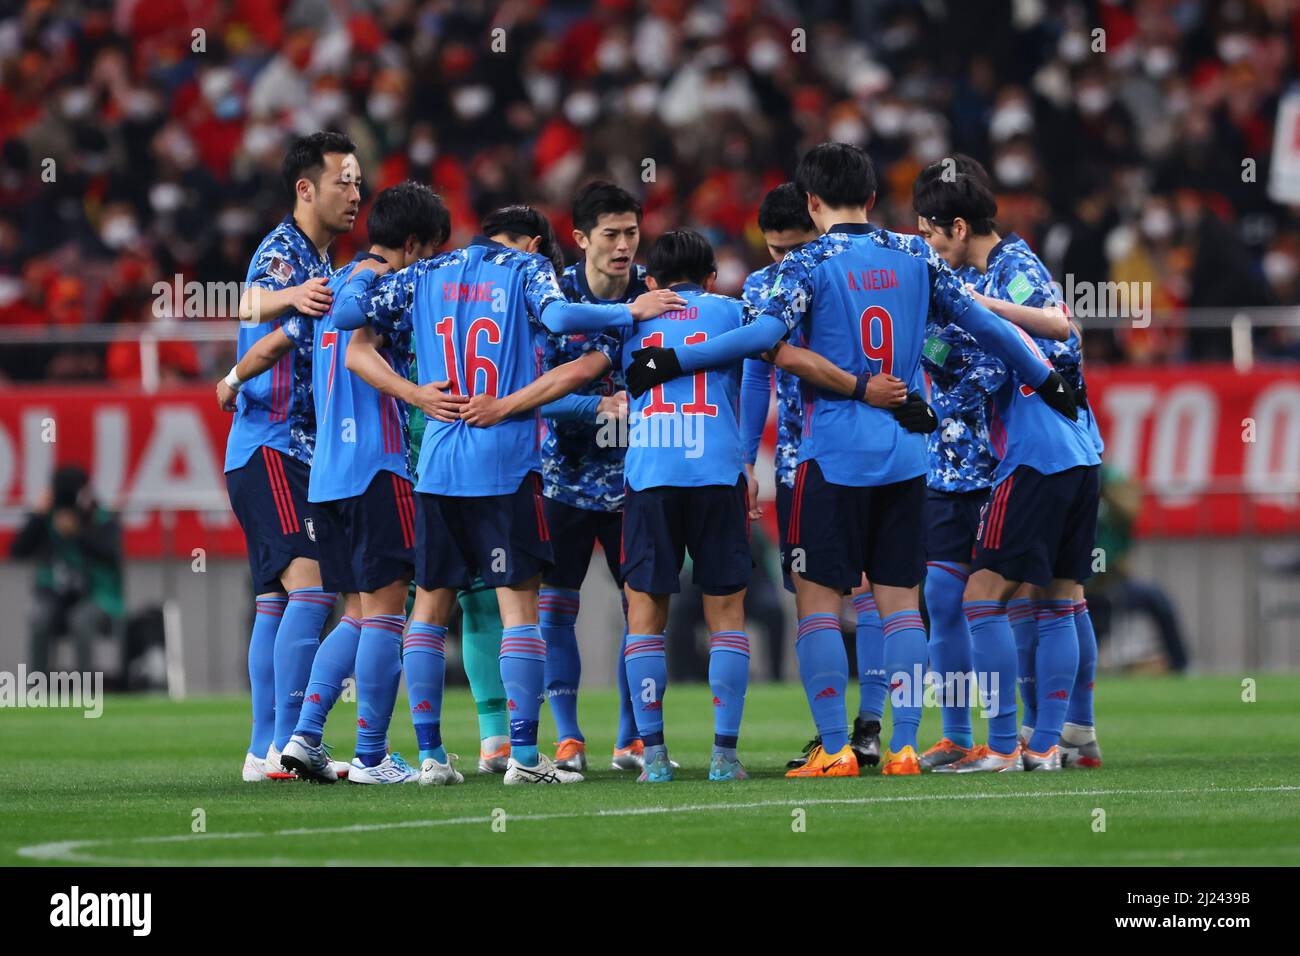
73, 851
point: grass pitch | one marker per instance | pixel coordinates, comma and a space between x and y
1193, 776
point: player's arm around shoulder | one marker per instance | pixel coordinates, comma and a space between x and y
260, 357
484, 410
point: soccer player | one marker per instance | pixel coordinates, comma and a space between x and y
269, 451
362, 505
955, 216
861, 296
582, 479
473, 312
783, 220
1040, 520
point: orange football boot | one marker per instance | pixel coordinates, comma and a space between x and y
821, 764
905, 763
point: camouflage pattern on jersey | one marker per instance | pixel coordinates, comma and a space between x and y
789, 404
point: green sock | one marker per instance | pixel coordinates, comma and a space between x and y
481, 650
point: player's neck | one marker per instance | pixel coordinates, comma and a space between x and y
828, 216
604, 286
980, 247
311, 228
393, 257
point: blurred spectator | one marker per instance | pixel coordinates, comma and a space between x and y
78, 553
1118, 154
1115, 591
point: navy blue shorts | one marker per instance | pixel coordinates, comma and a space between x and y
1038, 527
574, 533
269, 498
503, 539
951, 520
367, 542
784, 494
837, 532
711, 522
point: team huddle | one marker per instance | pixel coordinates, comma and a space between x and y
438, 421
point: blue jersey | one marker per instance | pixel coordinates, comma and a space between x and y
685, 433
276, 409
576, 468
359, 430
789, 400
1024, 430
475, 313
963, 379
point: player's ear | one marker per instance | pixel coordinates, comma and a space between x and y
534, 244
650, 283
580, 239
710, 281
871, 202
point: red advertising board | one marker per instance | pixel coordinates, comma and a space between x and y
1218, 452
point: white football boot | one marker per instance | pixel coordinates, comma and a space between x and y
392, 769
434, 774
545, 771
254, 768
308, 762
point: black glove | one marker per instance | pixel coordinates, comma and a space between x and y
915, 415
651, 367
1056, 392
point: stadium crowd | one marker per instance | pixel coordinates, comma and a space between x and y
1118, 155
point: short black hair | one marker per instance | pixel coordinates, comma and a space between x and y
837, 173
682, 255
956, 187
599, 198
408, 209
521, 221
306, 157
784, 207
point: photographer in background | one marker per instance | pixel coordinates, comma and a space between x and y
78, 553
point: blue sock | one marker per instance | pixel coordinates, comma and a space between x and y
558, 608
424, 661
627, 731
728, 679
335, 661
993, 651
905, 655
523, 673
824, 670
296, 642
950, 654
261, 672
1080, 710
379, 672
1020, 613
647, 673
873, 682
1056, 665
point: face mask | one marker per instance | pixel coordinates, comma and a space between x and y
423, 152
141, 105
1159, 62
228, 107
543, 90
582, 108
216, 83
765, 56
260, 139
1093, 100
643, 98
1234, 47
731, 273
234, 222
930, 149
888, 121
1013, 171
1279, 267
76, 103
850, 130
1157, 224
166, 197
471, 102
1009, 121
382, 106
1052, 83
612, 56
119, 232
1073, 47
